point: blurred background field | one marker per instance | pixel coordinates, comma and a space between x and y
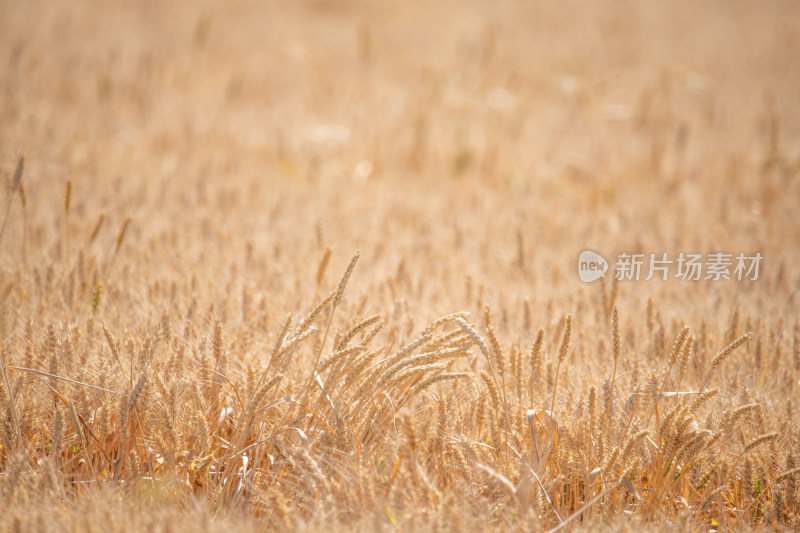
469, 150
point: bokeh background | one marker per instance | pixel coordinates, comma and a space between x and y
469, 150
441, 136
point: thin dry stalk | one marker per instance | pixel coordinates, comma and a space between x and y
15, 184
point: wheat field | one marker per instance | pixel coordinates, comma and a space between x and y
272, 266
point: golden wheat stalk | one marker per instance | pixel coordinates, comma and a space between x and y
15, 184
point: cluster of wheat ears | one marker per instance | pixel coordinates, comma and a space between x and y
190, 342
337, 423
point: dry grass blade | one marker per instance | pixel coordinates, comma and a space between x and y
579, 512
183, 348
15, 184
11, 401
562, 353
61, 378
